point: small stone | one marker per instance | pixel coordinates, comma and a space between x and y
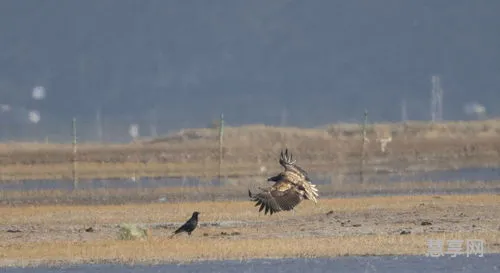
13, 230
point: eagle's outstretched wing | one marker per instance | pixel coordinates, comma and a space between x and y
286, 160
296, 175
281, 196
309, 189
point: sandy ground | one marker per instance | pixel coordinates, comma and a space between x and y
352, 226
422, 218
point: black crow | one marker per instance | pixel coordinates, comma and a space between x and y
189, 226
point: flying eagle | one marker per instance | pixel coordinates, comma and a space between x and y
290, 188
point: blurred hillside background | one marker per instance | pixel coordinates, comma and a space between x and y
167, 65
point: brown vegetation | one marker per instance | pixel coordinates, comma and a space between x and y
160, 250
249, 149
235, 230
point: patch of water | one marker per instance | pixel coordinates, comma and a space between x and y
466, 174
490, 263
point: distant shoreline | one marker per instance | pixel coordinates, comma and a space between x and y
253, 150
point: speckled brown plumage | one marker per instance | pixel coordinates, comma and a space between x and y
291, 187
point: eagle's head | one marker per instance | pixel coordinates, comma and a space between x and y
275, 178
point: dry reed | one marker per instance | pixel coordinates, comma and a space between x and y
199, 248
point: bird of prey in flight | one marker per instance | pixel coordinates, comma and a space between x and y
291, 187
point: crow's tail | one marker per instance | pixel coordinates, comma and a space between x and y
173, 234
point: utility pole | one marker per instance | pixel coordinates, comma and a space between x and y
284, 119
436, 99
99, 124
221, 145
363, 142
404, 113
75, 176
152, 123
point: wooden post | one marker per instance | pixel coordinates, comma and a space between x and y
99, 125
284, 117
75, 176
363, 142
221, 145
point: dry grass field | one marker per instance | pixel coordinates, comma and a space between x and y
35, 231
32, 235
254, 148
